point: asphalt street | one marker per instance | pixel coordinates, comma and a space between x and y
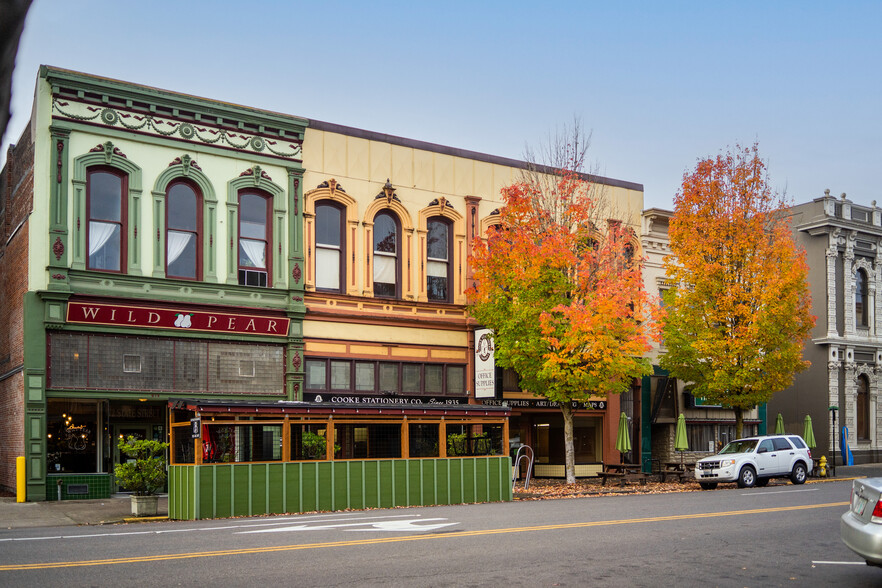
774, 536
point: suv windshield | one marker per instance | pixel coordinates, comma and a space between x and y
740, 446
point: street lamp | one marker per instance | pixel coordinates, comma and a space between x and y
833, 410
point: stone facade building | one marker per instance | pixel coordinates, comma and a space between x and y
843, 242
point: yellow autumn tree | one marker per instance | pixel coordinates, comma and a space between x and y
739, 313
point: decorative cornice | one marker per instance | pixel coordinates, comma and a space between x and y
199, 132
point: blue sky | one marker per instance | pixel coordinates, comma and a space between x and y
660, 84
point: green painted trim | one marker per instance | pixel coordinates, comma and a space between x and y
34, 391
646, 424
81, 165
762, 414
255, 179
228, 490
184, 291
268, 160
59, 245
127, 93
186, 170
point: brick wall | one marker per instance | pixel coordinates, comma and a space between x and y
16, 203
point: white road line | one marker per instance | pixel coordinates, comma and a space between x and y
839, 563
778, 492
273, 522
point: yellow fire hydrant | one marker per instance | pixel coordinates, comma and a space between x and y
822, 467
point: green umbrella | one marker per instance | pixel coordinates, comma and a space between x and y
779, 425
808, 433
681, 443
623, 441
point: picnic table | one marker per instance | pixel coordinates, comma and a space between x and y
678, 470
623, 472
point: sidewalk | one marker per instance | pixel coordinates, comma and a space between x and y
14, 515
117, 509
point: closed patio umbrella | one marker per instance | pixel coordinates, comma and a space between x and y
623, 440
779, 425
681, 443
808, 433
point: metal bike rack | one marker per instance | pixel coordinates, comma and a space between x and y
524, 452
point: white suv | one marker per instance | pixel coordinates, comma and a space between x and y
756, 460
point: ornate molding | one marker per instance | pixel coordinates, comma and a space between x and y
186, 161
331, 185
195, 132
257, 172
388, 192
862, 263
58, 248
443, 203
109, 151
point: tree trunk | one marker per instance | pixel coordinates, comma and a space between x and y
570, 466
739, 422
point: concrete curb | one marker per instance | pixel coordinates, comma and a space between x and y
144, 519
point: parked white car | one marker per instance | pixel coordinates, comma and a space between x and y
861, 527
755, 461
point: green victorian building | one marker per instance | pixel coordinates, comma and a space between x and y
150, 249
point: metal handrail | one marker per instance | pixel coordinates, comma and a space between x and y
523, 450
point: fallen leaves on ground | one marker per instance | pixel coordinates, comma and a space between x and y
543, 488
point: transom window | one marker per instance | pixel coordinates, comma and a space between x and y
385, 377
255, 238
329, 247
183, 241
438, 260
387, 271
106, 191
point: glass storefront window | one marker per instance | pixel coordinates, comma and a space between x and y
73, 436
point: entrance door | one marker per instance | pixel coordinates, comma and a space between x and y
121, 432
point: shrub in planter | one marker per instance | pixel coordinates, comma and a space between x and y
144, 472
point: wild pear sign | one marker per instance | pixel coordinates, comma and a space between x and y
183, 318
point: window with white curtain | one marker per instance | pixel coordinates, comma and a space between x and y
329, 246
183, 209
255, 238
386, 247
106, 191
438, 260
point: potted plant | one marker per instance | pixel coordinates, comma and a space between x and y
143, 473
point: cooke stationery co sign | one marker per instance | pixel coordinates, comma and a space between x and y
164, 318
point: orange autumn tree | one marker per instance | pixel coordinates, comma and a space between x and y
565, 302
740, 311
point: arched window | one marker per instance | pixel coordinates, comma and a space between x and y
183, 236
438, 254
330, 246
863, 407
106, 198
387, 242
255, 238
861, 299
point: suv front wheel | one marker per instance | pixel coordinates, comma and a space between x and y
798, 475
747, 477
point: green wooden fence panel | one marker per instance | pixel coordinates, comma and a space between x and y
224, 490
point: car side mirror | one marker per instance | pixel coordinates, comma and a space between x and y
762, 450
